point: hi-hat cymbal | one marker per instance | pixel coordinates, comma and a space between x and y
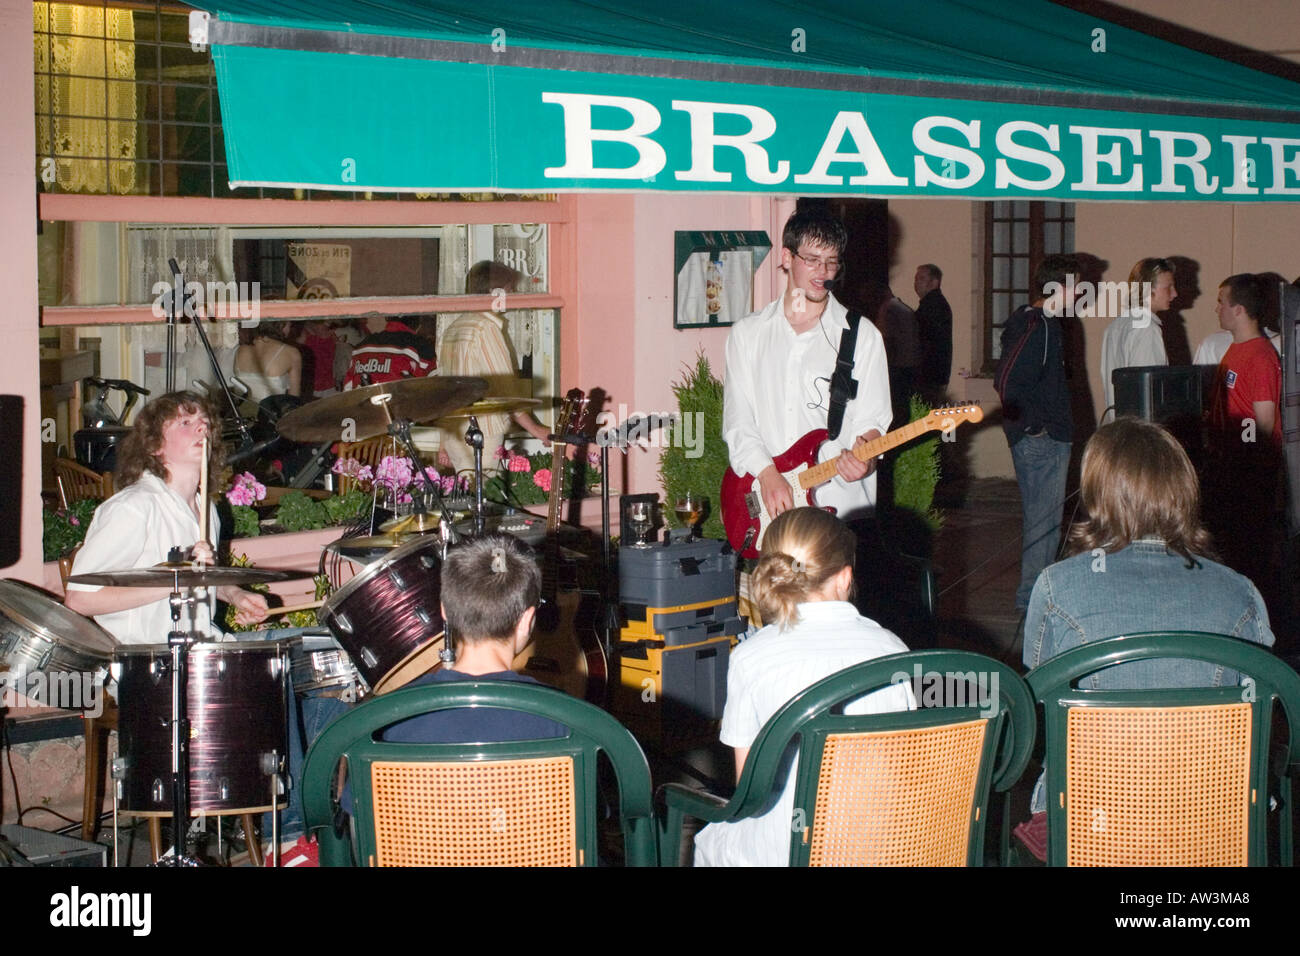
493, 405
185, 575
415, 523
370, 409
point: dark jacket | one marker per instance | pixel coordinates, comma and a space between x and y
934, 322
1031, 377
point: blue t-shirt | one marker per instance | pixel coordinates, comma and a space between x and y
466, 725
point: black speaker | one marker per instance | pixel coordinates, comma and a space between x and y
11, 478
1172, 395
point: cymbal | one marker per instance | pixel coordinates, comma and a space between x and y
185, 575
416, 399
370, 547
414, 524
496, 405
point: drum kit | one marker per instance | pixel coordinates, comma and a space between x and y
203, 725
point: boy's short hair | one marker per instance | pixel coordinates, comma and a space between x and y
487, 585
1054, 268
820, 228
1245, 290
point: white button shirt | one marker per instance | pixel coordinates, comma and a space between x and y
778, 389
1132, 340
134, 529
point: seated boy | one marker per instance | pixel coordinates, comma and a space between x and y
490, 588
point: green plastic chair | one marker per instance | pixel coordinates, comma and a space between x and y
930, 805
518, 803
1100, 812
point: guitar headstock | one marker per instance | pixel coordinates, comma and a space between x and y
571, 418
951, 416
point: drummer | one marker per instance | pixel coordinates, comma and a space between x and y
159, 471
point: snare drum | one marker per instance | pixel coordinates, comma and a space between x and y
237, 705
318, 664
388, 617
42, 643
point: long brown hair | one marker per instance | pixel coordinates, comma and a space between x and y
138, 452
1139, 483
802, 550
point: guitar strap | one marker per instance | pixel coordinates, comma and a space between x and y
843, 385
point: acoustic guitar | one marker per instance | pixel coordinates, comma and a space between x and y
565, 651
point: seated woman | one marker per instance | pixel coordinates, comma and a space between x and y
1141, 562
802, 584
270, 364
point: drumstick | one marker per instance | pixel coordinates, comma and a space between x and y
203, 494
293, 607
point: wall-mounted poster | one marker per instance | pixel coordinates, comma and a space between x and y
714, 281
318, 270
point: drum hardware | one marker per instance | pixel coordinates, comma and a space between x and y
39, 637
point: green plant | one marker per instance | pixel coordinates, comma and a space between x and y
65, 528
245, 523
347, 507
916, 472
695, 455
297, 512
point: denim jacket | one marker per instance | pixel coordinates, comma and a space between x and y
1142, 587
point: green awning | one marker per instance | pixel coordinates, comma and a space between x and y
933, 98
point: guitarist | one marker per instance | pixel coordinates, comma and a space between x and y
780, 364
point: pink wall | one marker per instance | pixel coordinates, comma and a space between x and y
624, 298
19, 373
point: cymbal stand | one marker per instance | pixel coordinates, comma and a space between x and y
474, 438
178, 642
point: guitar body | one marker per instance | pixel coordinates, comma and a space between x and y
566, 651
569, 656
744, 515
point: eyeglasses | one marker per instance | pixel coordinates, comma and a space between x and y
817, 262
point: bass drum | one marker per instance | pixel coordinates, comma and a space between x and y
237, 703
388, 617
51, 655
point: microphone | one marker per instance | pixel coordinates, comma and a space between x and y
830, 284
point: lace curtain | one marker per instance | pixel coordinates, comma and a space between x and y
86, 96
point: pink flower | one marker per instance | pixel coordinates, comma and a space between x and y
394, 472
448, 484
542, 478
520, 463
365, 474
502, 454
75, 520
593, 459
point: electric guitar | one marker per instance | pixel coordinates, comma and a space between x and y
744, 513
565, 651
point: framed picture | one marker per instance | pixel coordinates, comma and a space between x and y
713, 282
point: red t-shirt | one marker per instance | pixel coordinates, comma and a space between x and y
395, 353
1250, 372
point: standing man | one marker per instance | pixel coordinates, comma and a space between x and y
779, 367
934, 321
1134, 339
475, 344
391, 350
1243, 493
1036, 414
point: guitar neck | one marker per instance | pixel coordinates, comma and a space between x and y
821, 473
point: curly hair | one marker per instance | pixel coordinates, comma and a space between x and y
802, 550
1138, 483
139, 451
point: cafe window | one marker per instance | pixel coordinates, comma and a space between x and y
1017, 235
125, 106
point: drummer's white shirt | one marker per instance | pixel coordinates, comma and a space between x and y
135, 529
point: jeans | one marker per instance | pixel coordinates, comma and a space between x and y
309, 714
1041, 464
